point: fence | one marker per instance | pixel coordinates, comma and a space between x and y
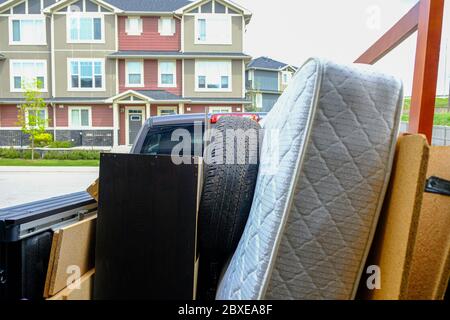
441, 134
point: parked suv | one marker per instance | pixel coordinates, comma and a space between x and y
155, 136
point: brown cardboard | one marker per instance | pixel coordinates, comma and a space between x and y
72, 246
394, 239
84, 292
430, 269
93, 190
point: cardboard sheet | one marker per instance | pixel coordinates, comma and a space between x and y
83, 292
93, 190
394, 240
73, 247
430, 269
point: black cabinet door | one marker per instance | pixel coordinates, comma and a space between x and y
146, 228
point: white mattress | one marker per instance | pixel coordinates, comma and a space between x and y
320, 187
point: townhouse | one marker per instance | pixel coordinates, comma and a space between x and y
266, 79
104, 66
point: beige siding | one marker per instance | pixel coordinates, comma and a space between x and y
64, 51
189, 37
5, 90
13, 52
189, 82
62, 78
4, 38
61, 35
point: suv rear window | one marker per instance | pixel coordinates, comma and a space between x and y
159, 140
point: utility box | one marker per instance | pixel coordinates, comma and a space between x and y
147, 228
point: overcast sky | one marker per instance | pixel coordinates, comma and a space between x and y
293, 30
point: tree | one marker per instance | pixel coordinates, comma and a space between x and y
31, 116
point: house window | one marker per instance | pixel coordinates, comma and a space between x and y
166, 26
135, 73
213, 29
220, 109
165, 111
28, 73
80, 117
286, 77
35, 117
86, 74
84, 28
133, 26
27, 31
213, 75
167, 74
201, 30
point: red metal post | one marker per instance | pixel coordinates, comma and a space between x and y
426, 67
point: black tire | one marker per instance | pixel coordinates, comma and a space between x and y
227, 197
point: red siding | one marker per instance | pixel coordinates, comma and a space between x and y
102, 116
8, 115
62, 116
150, 77
150, 39
202, 108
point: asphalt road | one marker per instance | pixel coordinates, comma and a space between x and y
20, 185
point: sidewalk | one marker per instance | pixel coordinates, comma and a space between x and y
26, 184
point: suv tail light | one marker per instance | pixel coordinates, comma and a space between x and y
215, 117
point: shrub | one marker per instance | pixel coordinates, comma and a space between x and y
26, 154
60, 144
43, 139
72, 155
10, 153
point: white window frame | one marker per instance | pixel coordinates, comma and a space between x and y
230, 78
11, 74
173, 26
69, 74
259, 100
220, 109
140, 22
79, 108
26, 17
289, 74
127, 82
45, 117
211, 40
160, 84
161, 108
85, 15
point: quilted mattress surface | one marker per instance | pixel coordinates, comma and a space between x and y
325, 165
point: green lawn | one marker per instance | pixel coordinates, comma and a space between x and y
440, 103
440, 119
48, 163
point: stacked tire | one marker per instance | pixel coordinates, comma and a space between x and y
230, 173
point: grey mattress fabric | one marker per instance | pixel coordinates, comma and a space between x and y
325, 165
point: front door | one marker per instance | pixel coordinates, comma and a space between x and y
135, 119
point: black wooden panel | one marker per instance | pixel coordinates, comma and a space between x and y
23, 267
146, 228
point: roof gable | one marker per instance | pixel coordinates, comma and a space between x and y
20, 6
267, 63
64, 4
227, 3
149, 5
